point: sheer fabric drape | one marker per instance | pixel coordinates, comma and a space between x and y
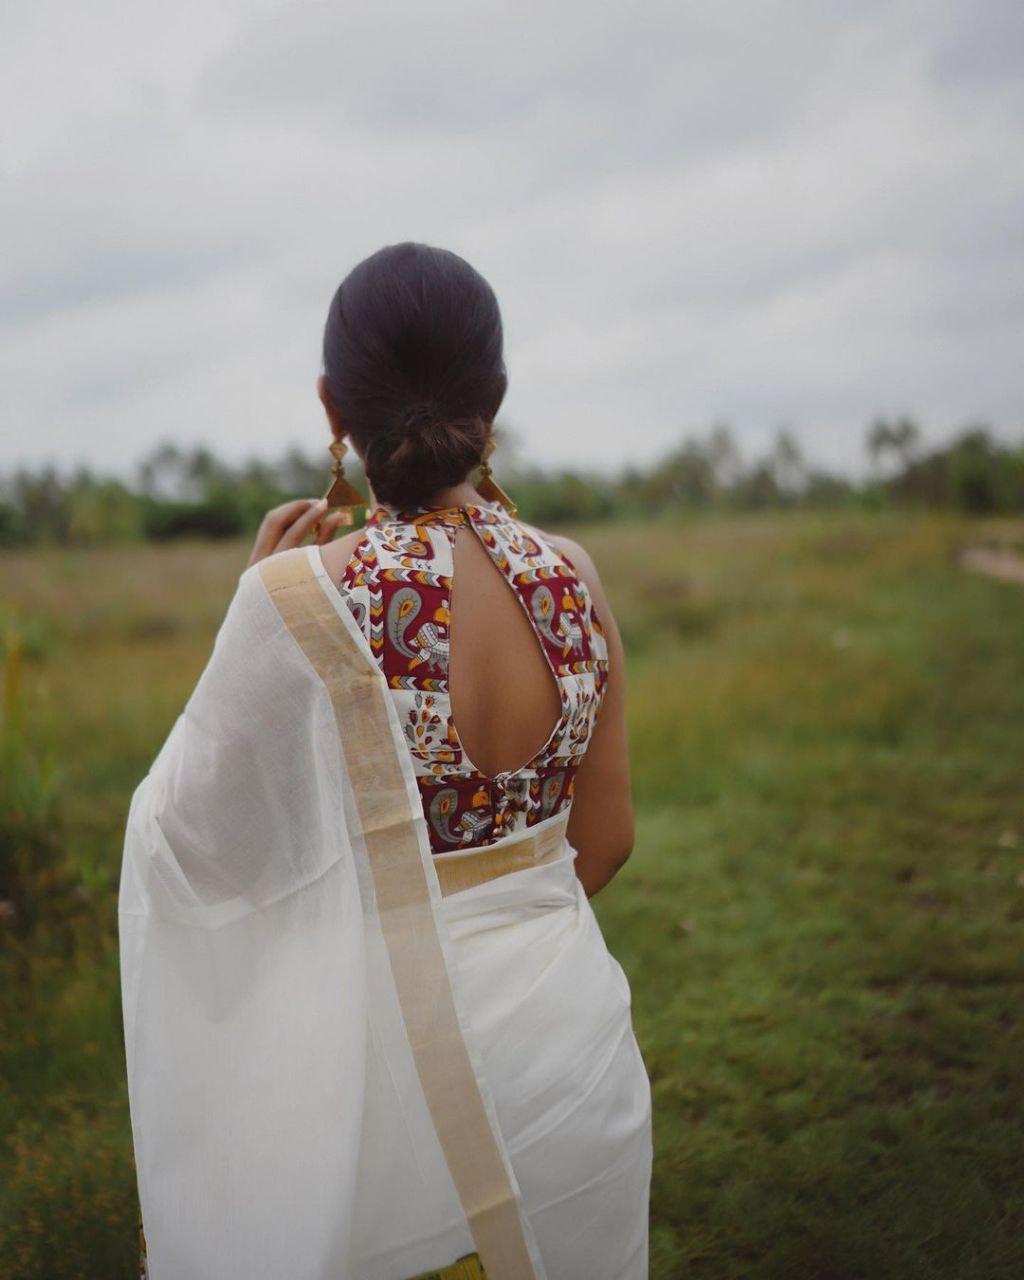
335, 1071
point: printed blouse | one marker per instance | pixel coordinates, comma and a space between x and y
398, 584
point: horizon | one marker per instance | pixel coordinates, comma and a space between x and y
510, 452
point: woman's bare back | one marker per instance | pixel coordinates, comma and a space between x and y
503, 722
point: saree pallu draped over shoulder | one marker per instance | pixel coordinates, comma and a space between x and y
349, 1059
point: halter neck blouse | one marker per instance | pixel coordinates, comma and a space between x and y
398, 585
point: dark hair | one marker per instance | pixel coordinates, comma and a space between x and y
413, 364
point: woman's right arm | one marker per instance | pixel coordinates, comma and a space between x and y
601, 822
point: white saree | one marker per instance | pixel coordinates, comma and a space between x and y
345, 1062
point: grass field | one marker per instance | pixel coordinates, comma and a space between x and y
822, 920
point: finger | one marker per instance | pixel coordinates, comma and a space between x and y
328, 527
264, 544
275, 523
281, 518
278, 521
297, 530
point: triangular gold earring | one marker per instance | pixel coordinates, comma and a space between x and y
342, 492
488, 487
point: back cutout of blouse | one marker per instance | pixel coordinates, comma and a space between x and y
398, 584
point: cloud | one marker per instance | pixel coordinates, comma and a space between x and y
765, 213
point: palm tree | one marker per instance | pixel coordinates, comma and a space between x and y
900, 439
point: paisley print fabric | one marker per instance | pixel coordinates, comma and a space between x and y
398, 585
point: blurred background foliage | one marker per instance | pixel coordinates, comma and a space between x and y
178, 492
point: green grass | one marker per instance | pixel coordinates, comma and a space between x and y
822, 920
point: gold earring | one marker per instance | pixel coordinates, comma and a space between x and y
342, 492
488, 487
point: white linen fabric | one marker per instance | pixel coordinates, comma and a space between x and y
287, 1032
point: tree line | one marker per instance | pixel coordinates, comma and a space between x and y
178, 492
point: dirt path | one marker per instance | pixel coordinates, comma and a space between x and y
1004, 564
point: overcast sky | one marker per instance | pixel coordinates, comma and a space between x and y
801, 214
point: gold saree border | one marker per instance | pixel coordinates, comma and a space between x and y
358, 696
467, 870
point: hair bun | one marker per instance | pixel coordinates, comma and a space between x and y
427, 453
419, 416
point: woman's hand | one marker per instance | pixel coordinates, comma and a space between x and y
289, 524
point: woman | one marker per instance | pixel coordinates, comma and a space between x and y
372, 1028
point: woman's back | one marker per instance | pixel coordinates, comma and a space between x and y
494, 654
355, 938
502, 722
